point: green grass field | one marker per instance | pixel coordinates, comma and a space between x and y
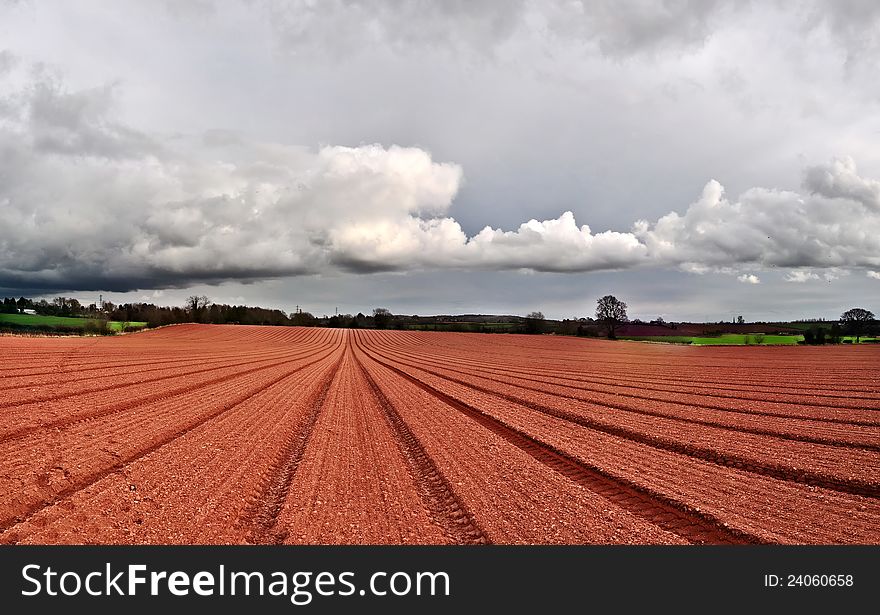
116, 325
29, 320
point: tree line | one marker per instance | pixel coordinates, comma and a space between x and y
855, 322
196, 309
610, 316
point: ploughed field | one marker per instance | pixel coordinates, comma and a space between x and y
233, 434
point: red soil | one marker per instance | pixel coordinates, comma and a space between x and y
230, 434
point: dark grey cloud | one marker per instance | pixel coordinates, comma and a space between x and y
77, 123
615, 28
622, 29
7, 61
854, 25
344, 27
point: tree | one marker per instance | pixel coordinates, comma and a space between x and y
382, 318
196, 305
534, 323
815, 336
611, 311
303, 319
63, 306
856, 321
835, 334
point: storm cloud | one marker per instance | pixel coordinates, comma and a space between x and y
91, 202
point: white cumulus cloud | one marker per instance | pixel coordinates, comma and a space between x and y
837, 226
800, 276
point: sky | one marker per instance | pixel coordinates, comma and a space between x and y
699, 160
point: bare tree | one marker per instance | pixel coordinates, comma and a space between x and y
382, 318
196, 305
857, 321
611, 311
